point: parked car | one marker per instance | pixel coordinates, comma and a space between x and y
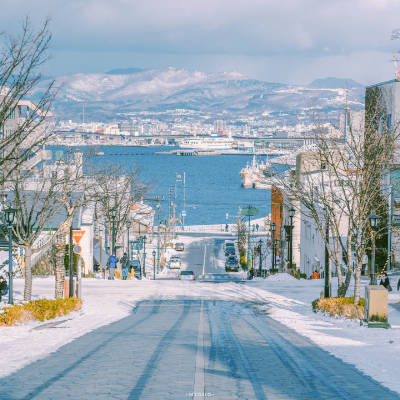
230, 251
135, 264
179, 247
187, 275
174, 262
232, 264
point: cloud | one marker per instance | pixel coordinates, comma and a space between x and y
291, 31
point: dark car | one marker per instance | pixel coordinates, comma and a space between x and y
230, 251
232, 264
135, 264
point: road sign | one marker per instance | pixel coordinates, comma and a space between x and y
77, 235
77, 249
110, 238
183, 213
249, 211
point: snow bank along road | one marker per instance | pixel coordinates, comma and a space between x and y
180, 349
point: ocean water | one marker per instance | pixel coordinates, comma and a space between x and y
212, 183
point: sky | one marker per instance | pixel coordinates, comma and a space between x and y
287, 41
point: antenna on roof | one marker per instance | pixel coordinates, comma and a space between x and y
395, 64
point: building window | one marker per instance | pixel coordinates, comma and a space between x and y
389, 122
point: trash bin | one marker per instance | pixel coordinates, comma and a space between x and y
376, 306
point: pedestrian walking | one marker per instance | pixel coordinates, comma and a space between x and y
112, 264
385, 282
125, 266
315, 275
257, 227
3, 287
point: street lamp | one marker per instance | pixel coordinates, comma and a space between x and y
113, 214
154, 263
259, 249
9, 214
144, 255
291, 215
272, 229
373, 221
128, 225
274, 254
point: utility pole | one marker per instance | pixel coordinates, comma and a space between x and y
184, 209
169, 211
158, 235
174, 209
177, 177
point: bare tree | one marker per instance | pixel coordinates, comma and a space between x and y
22, 122
34, 199
117, 190
340, 183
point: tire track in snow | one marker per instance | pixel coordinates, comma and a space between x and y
158, 354
281, 346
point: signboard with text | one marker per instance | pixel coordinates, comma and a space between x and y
77, 235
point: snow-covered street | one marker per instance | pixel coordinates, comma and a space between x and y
232, 314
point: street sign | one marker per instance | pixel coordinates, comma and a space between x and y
249, 211
77, 235
110, 238
183, 213
77, 249
227, 215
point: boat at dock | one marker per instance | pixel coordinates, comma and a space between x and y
255, 173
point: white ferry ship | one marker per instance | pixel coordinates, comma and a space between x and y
206, 144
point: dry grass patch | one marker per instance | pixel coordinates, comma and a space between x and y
38, 310
340, 306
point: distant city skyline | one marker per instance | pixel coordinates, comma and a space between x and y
292, 41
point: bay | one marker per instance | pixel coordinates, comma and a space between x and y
212, 183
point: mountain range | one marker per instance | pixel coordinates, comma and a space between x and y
106, 95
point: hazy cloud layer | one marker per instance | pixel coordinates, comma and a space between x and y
291, 41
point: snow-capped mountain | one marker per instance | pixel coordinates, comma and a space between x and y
169, 88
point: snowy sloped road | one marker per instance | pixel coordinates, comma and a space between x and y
180, 349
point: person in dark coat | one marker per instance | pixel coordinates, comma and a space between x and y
125, 266
112, 264
3, 287
385, 282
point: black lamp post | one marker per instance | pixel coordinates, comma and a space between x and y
272, 229
291, 215
154, 263
9, 214
113, 214
128, 225
327, 287
259, 249
274, 253
144, 255
373, 221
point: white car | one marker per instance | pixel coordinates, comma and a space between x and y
187, 275
174, 262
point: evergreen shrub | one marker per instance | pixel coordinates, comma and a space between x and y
39, 310
340, 306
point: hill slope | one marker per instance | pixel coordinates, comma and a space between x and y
117, 91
